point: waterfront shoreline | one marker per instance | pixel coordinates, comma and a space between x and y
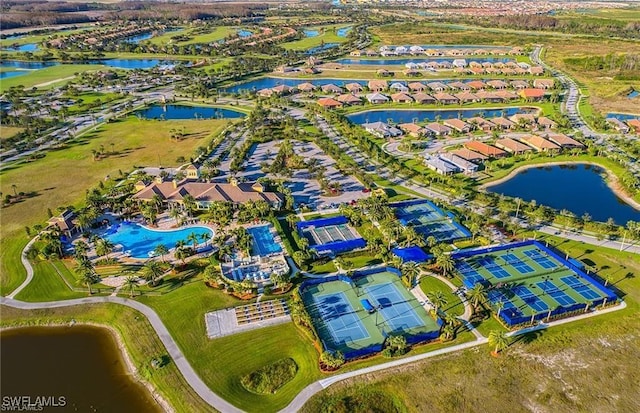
130, 367
611, 180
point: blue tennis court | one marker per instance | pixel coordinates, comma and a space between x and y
339, 318
530, 298
397, 312
490, 264
517, 263
496, 296
580, 288
557, 294
540, 259
469, 273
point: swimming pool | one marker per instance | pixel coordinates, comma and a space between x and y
263, 241
140, 241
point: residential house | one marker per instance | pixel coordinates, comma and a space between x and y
440, 166
331, 88
481, 124
377, 85
306, 87
265, 93
424, 99
354, 87
513, 146
506, 95
398, 87
282, 89
618, 125
519, 84
411, 72
445, 98
543, 83
503, 123
497, 84
484, 149
377, 98
437, 129
490, 97
464, 165
634, 124
412, 129
383, 72
329, 103
476, 84
173, 193
414, 50
470, 155
401, 97
437, 86
536, 70
349, 99
401, 50
417, 87
459, 125
532, 95
382, 130
467, 97
523, 119
564, 141
540, 143
356, 53
459, 86
459, 63
65, 222
546, 123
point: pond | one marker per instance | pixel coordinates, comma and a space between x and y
578, 188
173, 112
402, 62
321, 48
80, 367
423, 115
139, 38
623, 116
633, 94
15, 73
244, 33
27, 65
344, 31
132, 63
28, 47
311, 33
138, 241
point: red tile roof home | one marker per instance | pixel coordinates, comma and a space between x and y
635, 124
484, 149
503, 123
532, 94
546, 122
417, 87
536, 70
539, 143
377, 85
467, 97
459, 85
508, 71
489, 96
281, 89
543, 83
519, 84
401, 98
445, 98
497, 84
329, 103
512, 145
477, 70
208, 192
411, 128
349, 99
481, 123
457, 124
424, 98
306, 87
563, 140
331, 88
469, 155
506, 95
354, 87
438, 129
476, 84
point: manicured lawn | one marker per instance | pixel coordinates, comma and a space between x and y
47, 76
47, 285
7, 132
140, 340
327, 267
454, 305
216, 34
328, 36
223, 362
137, 142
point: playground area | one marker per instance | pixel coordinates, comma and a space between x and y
429, 220
355, 315
528, 282
330, 235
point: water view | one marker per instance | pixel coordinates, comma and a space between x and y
188, 112
322, 48
623, 116
578, 188
343, 32
26, 65
311, 33
422, 115
244, 33
139, 38
387, 62
28, 47
81, 364
6, 75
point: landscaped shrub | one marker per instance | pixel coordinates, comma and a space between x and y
268, 379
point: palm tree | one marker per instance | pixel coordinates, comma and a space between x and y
476, 294
445, 263
151, 271
161, 250
181, 253
87, 277
438, 299
498, 339
104, 247
410, 271
194, 238
131, 282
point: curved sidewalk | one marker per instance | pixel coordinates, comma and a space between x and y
174, 351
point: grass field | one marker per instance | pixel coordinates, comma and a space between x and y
223, 362
454, 304
327, 34
136, 142
47, 77
7, 132
587, 365
215, 35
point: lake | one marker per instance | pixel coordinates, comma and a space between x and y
28, 47
139, 38
402, 62
187, 112
244, 33
82, 364
578, 188
311, 33
27, 65
343, 32
422, 115
321, 48
623, 116
6, 75
117, 63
